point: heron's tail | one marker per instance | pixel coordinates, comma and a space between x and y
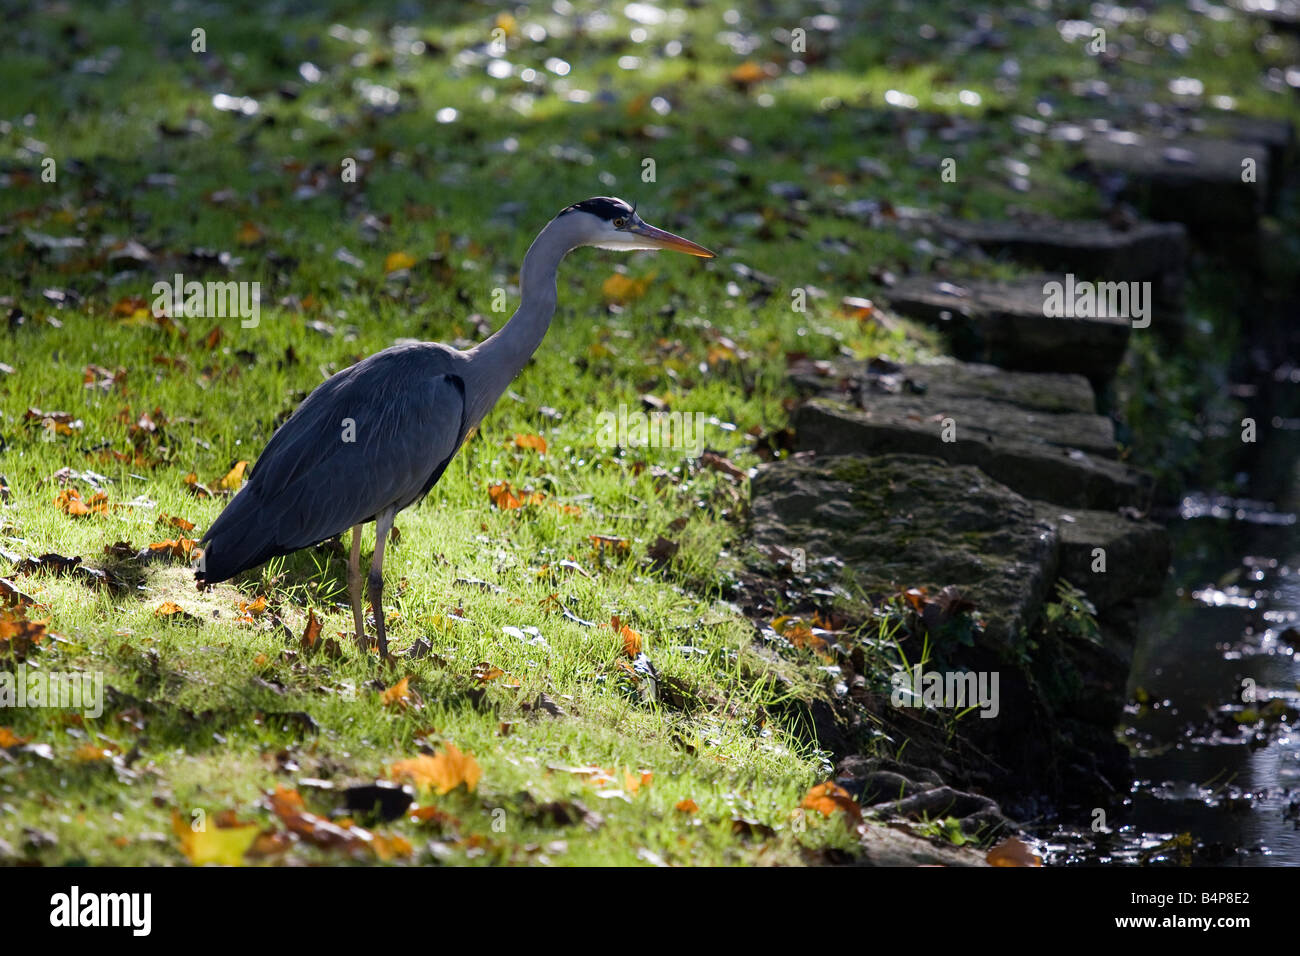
240, 538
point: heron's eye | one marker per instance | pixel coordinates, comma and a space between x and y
620, 222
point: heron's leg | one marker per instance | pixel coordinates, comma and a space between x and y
383, 524
354, 587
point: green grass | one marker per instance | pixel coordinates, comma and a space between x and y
187, 722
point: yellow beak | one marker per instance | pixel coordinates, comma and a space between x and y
666, 240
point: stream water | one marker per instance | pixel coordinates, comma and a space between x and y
1215, 686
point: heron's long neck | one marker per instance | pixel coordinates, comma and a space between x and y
503, 355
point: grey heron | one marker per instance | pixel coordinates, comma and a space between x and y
407, 410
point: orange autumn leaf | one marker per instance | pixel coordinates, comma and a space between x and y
249, 233
311, 634
1012, 852
70, 502
288, 805
632, 782
687, 806
610, 543
485, 672
9, 739
631, 638
828, 797
747, 74
89, 753
398, 260
168, 609
536, 442
444, 772
399, 695
179, 523
248, 611
179, 548
233, 478
505, 498
131, 307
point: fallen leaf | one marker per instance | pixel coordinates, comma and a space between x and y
70, 502
828, 797
398, 260
535, 442
445, 771
619, 289
631, 638
249, 233
505, 498
399, 695
9, 739
1012, 852
233, 478
223, 845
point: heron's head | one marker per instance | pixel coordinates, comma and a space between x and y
610, 223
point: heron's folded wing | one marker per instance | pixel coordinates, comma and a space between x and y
368, 442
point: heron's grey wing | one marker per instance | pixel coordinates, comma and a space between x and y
377, 435
380, 450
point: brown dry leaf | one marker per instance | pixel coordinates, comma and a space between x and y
826, 798
19, 636
619, 289
289, 807
722, 466
192, 485
11, 596
536, 442
131, 307
312, 632
442, 773
1012, 852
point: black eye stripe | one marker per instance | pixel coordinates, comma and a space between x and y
606, 207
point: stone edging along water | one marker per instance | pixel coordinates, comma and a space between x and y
1002, 480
